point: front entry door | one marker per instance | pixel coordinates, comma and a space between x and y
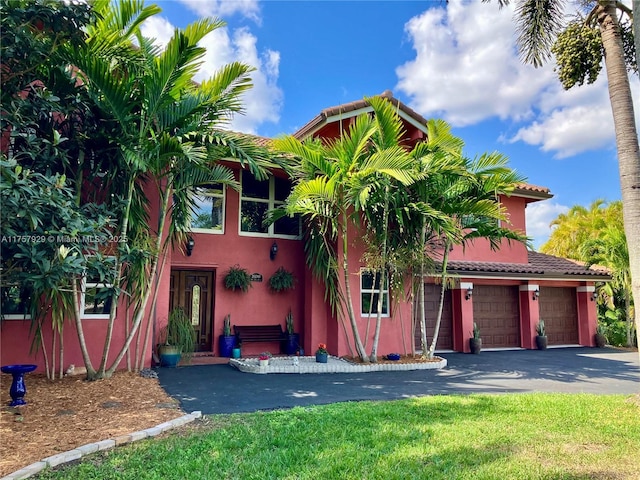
193, 291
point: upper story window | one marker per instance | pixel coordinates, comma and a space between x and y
468, 220
258, 197
370, 292
208, 215
14, 302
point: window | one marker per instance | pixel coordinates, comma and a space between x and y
468, 220
95, 297
208, 216
257, 198
369, 294
14, 302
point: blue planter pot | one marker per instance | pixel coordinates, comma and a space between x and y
292, 343
225, 345
322, 357
169, 355
235, 353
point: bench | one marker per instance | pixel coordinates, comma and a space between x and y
258, 333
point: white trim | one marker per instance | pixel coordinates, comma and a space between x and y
588, 289
369, 109
529, 288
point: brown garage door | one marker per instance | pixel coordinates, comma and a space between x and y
431, 299
559, 310
496, 311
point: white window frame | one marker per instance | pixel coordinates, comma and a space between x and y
84, 285
372, 292
223, 195
271, 204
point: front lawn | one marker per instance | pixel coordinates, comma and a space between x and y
526, 436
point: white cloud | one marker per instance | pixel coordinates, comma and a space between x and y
224, 8
467, 69
538, 217
264, 101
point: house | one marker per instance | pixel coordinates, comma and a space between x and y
506, 292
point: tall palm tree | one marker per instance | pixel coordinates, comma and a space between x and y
334, 183
167, 131
539, 23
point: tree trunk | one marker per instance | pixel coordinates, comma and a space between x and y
421, 312
385, 220
443, 288
626, 136
345, 267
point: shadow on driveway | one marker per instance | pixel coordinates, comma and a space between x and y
223, 389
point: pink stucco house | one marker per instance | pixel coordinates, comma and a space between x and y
506, 292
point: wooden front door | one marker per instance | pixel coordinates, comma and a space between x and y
193, 290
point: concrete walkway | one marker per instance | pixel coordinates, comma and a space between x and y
223, 389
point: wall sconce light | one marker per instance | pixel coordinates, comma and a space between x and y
190, 244
469, 293
594, 295
536, 294
274, 251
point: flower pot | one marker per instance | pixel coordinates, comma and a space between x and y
291, 343
541, 342
225, 345
264, 363
169, 355
235, 353
322, 357
475, 344
601, 340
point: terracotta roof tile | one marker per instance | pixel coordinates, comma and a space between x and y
539, 265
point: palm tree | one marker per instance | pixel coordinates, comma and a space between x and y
334, 183
539, 23
609, 249
167, 134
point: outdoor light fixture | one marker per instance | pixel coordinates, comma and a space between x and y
594, 295
190, 244
274, 251
536, 294
469, 293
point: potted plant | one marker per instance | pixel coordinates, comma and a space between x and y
264, 358
541, 337
600, 337
237, 278
237, 351
178, 338
281, 280
226, 341
292, 339
321, 353
475, 342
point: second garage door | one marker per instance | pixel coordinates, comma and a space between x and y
559, 310
496, 311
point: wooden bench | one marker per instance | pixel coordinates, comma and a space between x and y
258, 333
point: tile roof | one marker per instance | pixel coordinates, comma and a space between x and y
540, 265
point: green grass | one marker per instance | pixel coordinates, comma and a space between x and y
528, 436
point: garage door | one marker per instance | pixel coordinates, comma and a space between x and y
431, 299
559, 310
496, 311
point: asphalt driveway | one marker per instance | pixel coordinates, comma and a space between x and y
223, 389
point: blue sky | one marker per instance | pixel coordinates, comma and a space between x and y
455, 61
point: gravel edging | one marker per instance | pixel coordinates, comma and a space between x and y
76, 453
334, 364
